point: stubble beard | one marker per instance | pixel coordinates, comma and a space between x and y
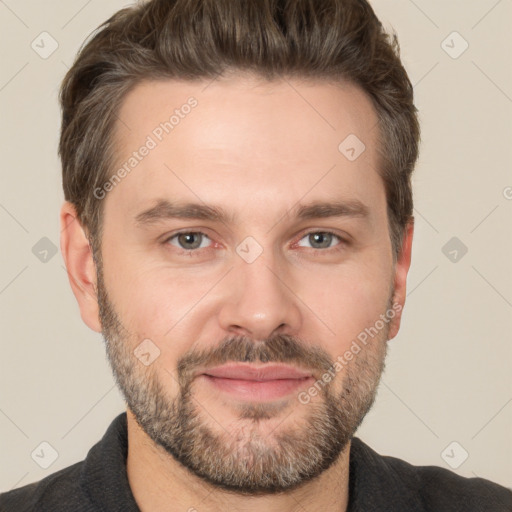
243, 459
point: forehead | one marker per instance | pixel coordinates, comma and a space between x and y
260, 139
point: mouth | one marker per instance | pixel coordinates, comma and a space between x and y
258, 384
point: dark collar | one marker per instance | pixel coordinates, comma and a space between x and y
104, 478
373, 479
381, 483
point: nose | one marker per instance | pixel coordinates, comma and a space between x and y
258, 300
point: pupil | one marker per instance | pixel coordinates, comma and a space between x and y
320, 239
187, 239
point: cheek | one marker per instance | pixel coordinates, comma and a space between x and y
346, 300
167, 306
161, 301
149, 296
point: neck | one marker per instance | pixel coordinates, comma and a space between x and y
161, 484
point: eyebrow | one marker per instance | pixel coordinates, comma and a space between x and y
165, 210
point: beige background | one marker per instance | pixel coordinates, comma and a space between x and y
448, 375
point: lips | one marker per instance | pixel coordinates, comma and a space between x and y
247, 382
261, 374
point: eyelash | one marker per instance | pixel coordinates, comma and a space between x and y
193, 252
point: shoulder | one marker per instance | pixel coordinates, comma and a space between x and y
60, 491
99, 482
441, 489
435, 488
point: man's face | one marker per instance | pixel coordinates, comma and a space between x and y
271, 282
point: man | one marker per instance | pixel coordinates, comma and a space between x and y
238, 224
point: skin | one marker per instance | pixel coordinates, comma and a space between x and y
256, 149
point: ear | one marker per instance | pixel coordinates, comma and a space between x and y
400, 279
77, 254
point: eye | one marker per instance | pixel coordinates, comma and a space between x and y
189, 240
320, 240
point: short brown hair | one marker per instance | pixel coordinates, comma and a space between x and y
335, 40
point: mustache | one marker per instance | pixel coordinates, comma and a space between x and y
279, 348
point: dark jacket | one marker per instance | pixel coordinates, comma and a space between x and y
376, 483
